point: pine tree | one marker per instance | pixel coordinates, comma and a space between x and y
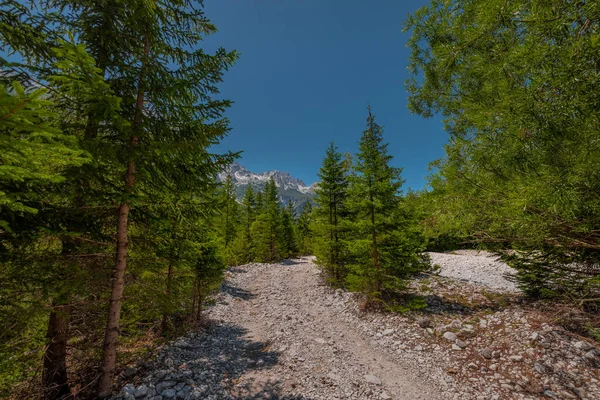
288, 233
384, 252
330, 198
521, 165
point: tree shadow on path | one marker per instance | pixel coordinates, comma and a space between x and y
215, 362
236, 292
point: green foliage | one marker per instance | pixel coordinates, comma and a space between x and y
266, 229
595, 333
305, 230
330, 213
407, 303
33, 152
384, 246
249, 210
63, 153
517, 82
366, 235
229, 219
289, 244
176, 262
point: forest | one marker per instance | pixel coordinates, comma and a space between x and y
116, 233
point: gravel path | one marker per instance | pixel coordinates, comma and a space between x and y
474, 266
276, 334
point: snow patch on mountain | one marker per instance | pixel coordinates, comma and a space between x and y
283, 180
289, 188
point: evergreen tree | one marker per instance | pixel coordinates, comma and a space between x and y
330, 198
65, 272
169, 284
266, 230
289, 245
518, 89
229, 211
35, 156
249, 210
384, 251
260, 202
304, 229
32, 151
156, 132
168, 104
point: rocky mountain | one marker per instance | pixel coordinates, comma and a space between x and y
290, 188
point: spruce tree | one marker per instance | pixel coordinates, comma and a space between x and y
305, 229
229, 210
35, 156
288, 232
33, 152
136, 91
266, 230
260, 202
64, 273
330, 198
168, 83
249, 209
384, 251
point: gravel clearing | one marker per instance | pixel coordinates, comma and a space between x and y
276, 332
474, 266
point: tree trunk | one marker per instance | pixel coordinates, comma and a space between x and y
54, 375
227, 221
199, 310
111, 335
194, 299
331, 244
164, 326
374, 252
272, 244
335, 240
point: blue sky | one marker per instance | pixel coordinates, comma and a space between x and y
307, 71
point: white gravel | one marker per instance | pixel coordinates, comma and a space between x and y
277, 332
480, 267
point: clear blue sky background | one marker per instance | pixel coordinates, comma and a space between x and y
307, 71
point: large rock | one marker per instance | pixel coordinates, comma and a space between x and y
161, 386
424, 322
584, 346
487, 353
169, 393
141, 391
128, 389
450, 336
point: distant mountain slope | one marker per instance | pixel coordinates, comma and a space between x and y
290, 188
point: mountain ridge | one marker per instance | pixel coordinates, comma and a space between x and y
289, 187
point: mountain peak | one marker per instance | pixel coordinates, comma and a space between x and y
289, 188
242, 176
